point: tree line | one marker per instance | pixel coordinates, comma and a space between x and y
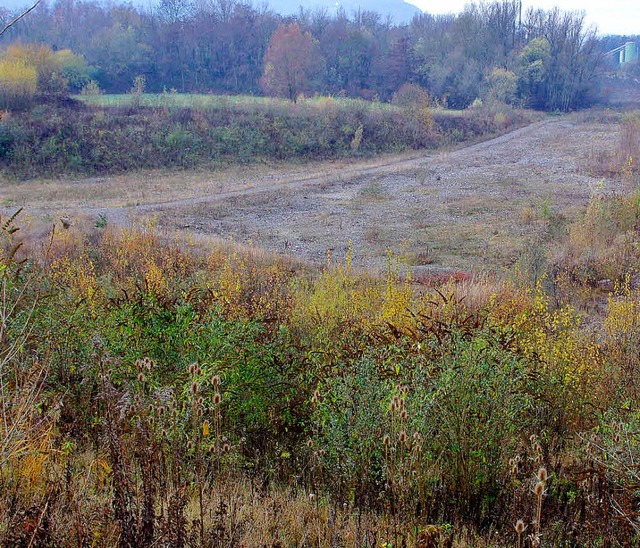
491, 51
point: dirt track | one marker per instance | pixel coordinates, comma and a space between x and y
470, 208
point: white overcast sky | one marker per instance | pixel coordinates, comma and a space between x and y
611, 17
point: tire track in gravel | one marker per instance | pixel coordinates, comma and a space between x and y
348, 172
471, 207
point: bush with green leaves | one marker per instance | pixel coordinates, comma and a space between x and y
76, 138
438, 430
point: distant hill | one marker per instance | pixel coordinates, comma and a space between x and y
398, 10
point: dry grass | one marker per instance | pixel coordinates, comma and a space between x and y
282, 518
236, 514
622, 161
161, 186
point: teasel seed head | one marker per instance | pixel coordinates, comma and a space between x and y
192, 369
404, 415
226, 448
386, 440
309, 443
216, 380
520, 526
141, 377
198, 371
542, 474
402, 437
217, 398
538, 489
194, 387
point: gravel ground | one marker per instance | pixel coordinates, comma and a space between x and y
471, 208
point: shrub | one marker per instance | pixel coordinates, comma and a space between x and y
602, 243
71, 138
91, 88
411, 96
17, 84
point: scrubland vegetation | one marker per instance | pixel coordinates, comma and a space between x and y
164, 390
155, 392
154, 131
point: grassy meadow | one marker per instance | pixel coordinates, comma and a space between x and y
240, 103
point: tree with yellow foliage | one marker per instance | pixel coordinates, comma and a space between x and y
18, 83
30, 69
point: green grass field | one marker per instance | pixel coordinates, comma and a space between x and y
245, 103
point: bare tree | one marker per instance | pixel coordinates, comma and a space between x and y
571, 65
20, 16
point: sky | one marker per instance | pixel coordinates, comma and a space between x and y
611, 16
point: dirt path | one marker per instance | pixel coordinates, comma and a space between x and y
334, 174
474, 207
